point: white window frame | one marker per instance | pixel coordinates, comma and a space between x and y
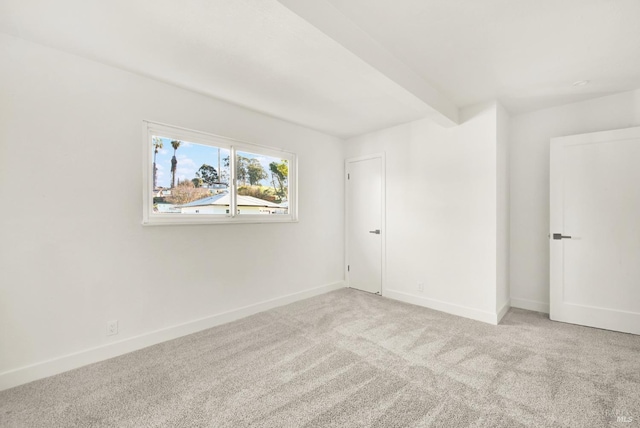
150, 218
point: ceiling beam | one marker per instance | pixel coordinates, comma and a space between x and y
326, 18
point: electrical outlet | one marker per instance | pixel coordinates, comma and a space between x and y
112, 327
421, 286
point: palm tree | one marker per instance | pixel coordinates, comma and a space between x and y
174, 162
157, 145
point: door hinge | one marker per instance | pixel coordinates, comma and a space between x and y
348, 176
348, 268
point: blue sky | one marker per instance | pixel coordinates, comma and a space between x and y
191, 157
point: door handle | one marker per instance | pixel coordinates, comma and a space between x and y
560, 236
377, 231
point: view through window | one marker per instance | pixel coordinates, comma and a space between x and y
189, 178
263, 184
194, 177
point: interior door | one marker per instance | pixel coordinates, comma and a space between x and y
364, 200
595, 230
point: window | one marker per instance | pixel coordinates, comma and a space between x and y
192, 177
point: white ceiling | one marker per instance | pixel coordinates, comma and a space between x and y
525, 53
348, 67
256, 53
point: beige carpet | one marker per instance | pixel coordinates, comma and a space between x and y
347, 359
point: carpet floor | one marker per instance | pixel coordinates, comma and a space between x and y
351, 359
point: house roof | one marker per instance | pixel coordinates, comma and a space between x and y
224, 199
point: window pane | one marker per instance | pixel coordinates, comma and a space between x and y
263, 184
189, 178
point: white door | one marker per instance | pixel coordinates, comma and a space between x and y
595, 230
365, 199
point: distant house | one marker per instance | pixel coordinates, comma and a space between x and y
161, 192
217, 186
283, 208
219, 204
165, 208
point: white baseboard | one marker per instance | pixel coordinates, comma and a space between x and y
530, 305
450, 308
503, 311
43, 369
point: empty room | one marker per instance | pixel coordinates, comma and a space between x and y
320, 213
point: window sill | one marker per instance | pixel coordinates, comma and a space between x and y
201, 220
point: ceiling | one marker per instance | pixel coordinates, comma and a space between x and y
525, 53
347, 67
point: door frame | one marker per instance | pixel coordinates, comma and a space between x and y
558, 309
383, 217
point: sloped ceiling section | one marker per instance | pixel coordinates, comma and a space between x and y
332, 22
255, 53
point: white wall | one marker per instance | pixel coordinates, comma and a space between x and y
441, 186
73, 253
529, 176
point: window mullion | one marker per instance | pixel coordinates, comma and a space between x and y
233, 185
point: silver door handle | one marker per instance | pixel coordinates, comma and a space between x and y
560, 236
377, 231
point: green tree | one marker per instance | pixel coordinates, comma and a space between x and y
255, 172
242, 172
197, 182
223, 174
174, 162
157, 145
208, 174
280, 173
